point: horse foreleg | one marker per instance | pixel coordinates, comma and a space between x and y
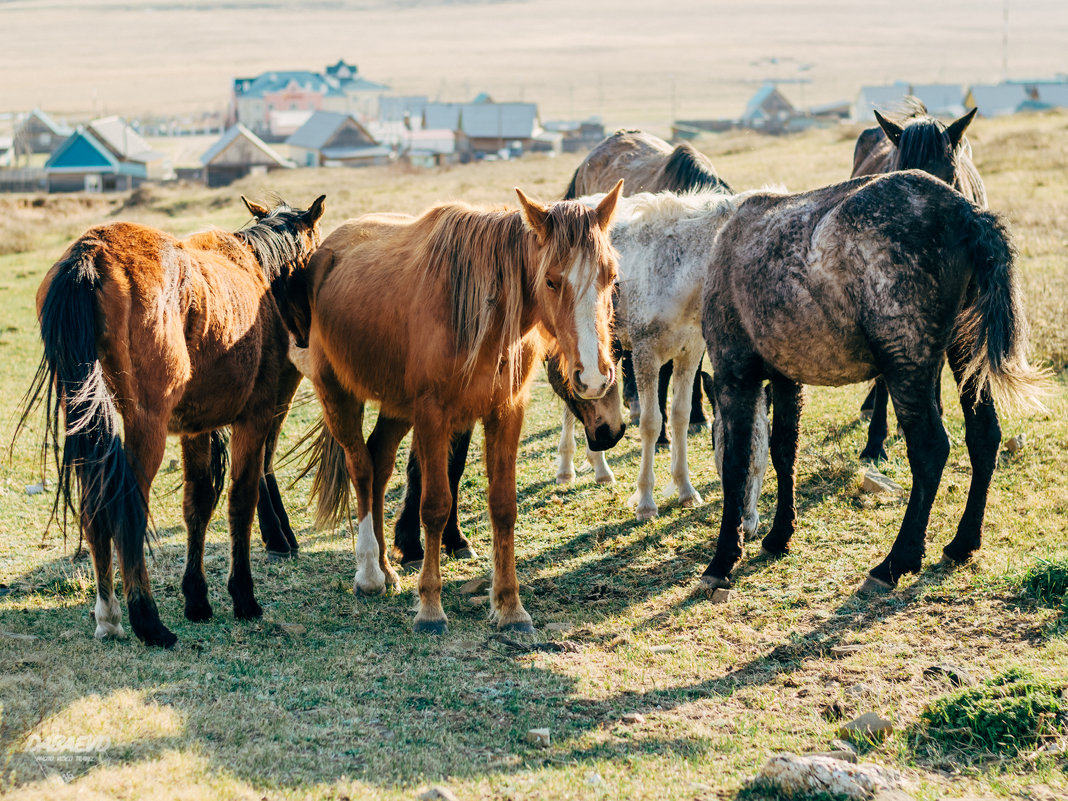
928, 448
407, 544
146, 440
630, 387
736, 404
982, 433
647, 375
602, 473
382, 446
565, 459
502, 444
247, 446
787, 400
685, 370
198, 504
431, 443
275, 528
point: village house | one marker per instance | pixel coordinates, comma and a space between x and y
332, 139
878, 97
768, 109
996, 100
238, 153
488, 126
273, 105
940, 99
106, 156
38, 133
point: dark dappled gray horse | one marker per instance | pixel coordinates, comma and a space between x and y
648, 164
918, 142
885, 275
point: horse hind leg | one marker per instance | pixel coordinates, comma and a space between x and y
928, 448
662, 384
456, 544
875, 448
647, 375
698, 421
275, 528
200, 497
787, 400
982, 434
247, 452
431, 443
382, 447
565, 459
685, 369
146, 440
107, 613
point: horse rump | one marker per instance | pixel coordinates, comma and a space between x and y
70, 380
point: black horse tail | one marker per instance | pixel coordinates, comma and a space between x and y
70, 379
572, 191
330, 484
993, 324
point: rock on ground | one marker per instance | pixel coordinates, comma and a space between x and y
791, 774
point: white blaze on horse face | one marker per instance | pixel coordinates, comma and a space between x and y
370, 579
591, 383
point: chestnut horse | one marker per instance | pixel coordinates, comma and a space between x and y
886, 275
918, 142
172, 336
441, 319
648, 164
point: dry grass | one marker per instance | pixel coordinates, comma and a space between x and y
357, 706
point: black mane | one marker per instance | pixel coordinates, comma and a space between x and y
275, 239
687, 170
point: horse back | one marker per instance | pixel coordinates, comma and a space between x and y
635, 156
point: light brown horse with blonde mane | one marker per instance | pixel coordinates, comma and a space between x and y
441, 319
179, 336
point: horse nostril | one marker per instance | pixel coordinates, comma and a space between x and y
576, 379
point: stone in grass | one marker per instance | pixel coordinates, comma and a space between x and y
661, 649
539, 737
868, 726
959, 677
1015, 443
437, 793
634, 717
876, 483
292, 629
720, 595
841, 651
475, 585
790, 775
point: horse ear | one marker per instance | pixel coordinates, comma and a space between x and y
956, 130
891, 129
606, 209
534, 214
258, 211
315, 211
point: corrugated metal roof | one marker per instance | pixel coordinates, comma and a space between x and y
442, 115
122, 139
993, 100
393, 109
233, 133
320, 128
941, 99
1053, 94
504, 120
279, 80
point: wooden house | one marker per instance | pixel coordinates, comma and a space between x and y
238, 153
332, 139
39, 133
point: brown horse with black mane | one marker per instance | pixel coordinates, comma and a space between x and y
172, 336
441, 319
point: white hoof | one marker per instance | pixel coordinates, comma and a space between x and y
564, 478
608, 479
690, 499
108, 618
105, 631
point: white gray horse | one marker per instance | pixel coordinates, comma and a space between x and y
664, 242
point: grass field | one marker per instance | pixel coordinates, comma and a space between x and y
332, 697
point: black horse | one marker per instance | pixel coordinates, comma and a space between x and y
886, 275
918, 142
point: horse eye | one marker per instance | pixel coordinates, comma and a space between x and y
552, 284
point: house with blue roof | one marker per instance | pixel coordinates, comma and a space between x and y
85, 164
266, 103
768, 108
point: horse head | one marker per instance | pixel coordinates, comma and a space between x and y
924, 143
573, 286
602, 419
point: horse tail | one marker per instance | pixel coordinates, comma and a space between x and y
572, 188
70, 378
220, 460
330, 484
993, 324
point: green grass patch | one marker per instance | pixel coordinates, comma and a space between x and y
1047, 581
1005, 715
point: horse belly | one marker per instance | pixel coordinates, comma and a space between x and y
223, 377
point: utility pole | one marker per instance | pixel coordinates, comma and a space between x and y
1005, 40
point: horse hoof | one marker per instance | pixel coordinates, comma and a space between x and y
158, 637
697, 428
198, 611
873, 456
371, 592
865, 414
519, 627
663, 445
766, 553
949, 562
413, 566
874, 586
562, 480
691, 501
280, 556
710, 583
465, 553
109, 631
606, 481
430, 627
643, 515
